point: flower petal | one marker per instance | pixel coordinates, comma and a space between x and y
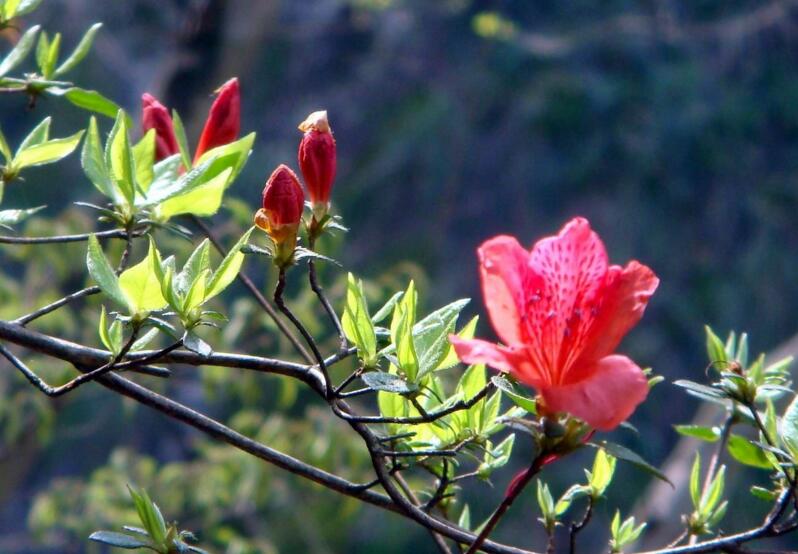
613, 389
503, 267
623, 302
572, 267
509, 360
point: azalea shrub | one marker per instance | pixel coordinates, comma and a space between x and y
421, 412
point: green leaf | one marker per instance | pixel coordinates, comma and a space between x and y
233, 155
47, 152
601, 474
199, 261
715, 350
80, 51
102, 272
695, 482
119, 158
528, 404
12, 217
103, 330
93, 162
708, 434
379, 380
623, 453
405, 349
145, 340
357, 324
38, 135
789, 429
710, 500
196, 294
5, 149
228, 269
149, 514
196, 344
431, 336
89, 100
144, 159
389, 306
20, 51
166, 188
467, 332
141, 286
464, 520
22, 7
746, 452
47, 54
182, 141
204, 199
120, 540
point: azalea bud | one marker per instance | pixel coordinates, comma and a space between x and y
224, 119
281, 214
154, 115
317, 160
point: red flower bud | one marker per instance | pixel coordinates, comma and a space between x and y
283, 201
224, 119
317, 160
154, 115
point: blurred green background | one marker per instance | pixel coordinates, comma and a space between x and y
672, 125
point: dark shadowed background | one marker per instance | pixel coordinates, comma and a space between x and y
672, 125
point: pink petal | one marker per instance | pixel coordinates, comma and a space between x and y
571, 267
509, 360
614, 387
503, 266
623, 302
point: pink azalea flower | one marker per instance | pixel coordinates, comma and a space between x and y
561, 310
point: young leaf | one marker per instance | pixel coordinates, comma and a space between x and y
20, 51
141, 286
601, 474
119, 158
102, 272
203, 198
789, 429
120, 540
144, 159
199, 261
182, 141
715, 350
379, 380
47, 152
695, 482
79, 52
12, 217
386, 310
357, 323
90, 100
228, 269
528, 404
93, 162
38, 135
623, 453
747, 453
196, 344
708, 434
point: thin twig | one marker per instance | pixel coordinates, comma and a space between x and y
77, 381
314, 285
253, 290
25, 319
59, 239
281, 305
515, 489
579, 525
429, 417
